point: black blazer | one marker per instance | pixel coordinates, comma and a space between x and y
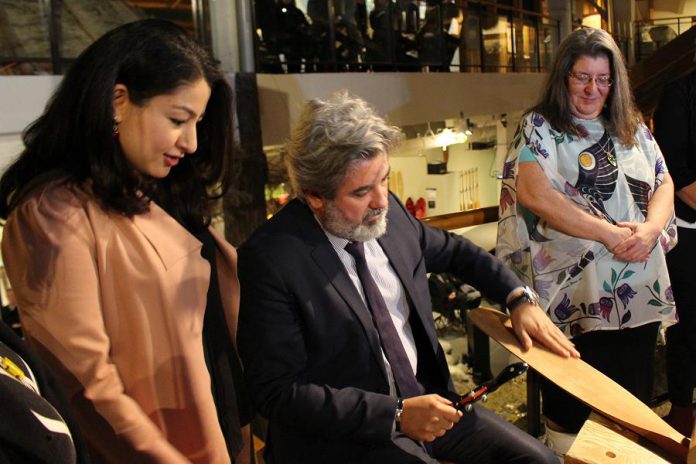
311, 353
675, 132
22, 440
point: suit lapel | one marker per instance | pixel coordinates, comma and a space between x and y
395, 253
328, 261
325, 257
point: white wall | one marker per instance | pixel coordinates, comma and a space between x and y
416, 180
671, 8
409, 99
404, 98
22, 99
664, 8
10, 146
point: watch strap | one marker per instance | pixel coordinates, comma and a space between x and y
527, 296
397, 414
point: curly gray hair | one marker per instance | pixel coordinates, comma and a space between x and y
330, 136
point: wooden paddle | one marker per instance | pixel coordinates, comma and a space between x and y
587, 384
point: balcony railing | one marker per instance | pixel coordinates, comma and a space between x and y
653, 34
401, 35
45, 36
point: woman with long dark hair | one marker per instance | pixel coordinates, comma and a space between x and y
122, 285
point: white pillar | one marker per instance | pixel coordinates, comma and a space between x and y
223, 25
245, 35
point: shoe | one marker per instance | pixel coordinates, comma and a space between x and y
558, 442
681, 418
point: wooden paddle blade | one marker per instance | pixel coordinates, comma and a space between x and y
586, 384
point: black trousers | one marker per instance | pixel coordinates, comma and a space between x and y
681, 337
626, 356
480, 437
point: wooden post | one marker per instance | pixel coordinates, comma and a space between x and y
691, 457
244, 205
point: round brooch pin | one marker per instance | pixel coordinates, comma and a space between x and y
587, 160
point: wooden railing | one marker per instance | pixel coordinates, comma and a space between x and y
461, 219
674, 60
660, 32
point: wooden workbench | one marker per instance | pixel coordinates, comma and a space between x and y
602, 441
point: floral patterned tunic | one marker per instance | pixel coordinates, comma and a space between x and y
580, 284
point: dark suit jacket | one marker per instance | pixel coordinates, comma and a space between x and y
675, 132
311, 353
16, 443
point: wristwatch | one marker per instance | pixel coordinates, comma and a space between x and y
397, 414
527, 296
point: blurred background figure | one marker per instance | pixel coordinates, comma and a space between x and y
675, 131
284, 36
390, 38
36, 424
436, 42
292, 38
348, 42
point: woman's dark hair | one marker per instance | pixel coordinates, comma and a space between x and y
622, 118
73, 139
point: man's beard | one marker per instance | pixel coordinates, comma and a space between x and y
335, 222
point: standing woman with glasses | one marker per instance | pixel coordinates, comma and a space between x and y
123, 287
586, 218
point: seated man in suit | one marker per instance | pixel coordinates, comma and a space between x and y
336, 330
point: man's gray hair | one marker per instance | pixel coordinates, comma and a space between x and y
329, 138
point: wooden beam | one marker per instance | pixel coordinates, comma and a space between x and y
162, 5
668, 63
461, 219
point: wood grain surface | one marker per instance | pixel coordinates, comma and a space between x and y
602, 441
587, 384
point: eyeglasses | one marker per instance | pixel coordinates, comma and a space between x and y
584, 79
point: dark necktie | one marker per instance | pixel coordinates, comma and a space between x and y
391, 343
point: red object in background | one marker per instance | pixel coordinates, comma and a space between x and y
283, 199
410, 207
421, 208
